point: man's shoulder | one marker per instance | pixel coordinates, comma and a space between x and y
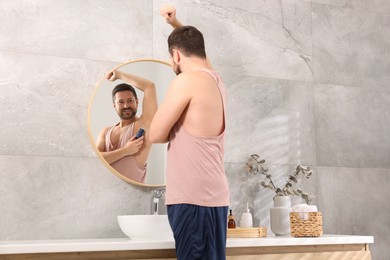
106, 128
192, 78
181, 81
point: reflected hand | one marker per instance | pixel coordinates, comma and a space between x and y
133, 145
112, 76
169, 13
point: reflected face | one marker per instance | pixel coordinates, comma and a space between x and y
125, 105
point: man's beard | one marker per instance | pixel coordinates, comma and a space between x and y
125, 116
176, 68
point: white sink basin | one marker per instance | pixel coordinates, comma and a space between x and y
146, 227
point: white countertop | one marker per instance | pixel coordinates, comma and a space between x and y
117, 244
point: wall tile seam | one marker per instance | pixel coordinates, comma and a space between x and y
313, 94
315, 166
49, 156
153, 30
317, 83
350, 8
63, 57
349, 167
274, 78
274, 164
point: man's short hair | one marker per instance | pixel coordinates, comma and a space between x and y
123, 87
188, 40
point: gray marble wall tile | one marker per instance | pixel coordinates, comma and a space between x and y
59, 198
245, 188
54, 197
351, 47
380, 6
352, 126
51, 188
99, 29
260, 38
339, 3
270, 117
45, 103
355, 201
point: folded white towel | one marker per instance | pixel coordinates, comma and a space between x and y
303, 209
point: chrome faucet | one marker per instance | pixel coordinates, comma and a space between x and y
158, 202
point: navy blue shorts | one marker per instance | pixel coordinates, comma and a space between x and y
199, 232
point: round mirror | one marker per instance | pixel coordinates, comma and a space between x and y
102, 114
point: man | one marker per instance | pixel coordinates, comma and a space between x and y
117, 144
192, 120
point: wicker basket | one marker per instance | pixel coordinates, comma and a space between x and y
311, 227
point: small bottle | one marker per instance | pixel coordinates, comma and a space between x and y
246, 218
231, 222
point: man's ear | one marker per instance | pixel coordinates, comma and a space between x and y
176, 55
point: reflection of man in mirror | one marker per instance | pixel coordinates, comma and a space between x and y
192, 120
118, 144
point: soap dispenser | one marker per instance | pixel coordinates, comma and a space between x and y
231, 222
246, 218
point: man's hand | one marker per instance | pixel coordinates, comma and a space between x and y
169, 14
133, 145
113, 75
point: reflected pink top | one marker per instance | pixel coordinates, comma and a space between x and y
195, 168
127, 166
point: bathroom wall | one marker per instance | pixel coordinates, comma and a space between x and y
52, 55
306, 84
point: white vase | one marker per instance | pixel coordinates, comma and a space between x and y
280, 216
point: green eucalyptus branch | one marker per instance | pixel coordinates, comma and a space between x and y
255, 165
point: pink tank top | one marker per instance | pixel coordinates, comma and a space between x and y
127, 166
195, 168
